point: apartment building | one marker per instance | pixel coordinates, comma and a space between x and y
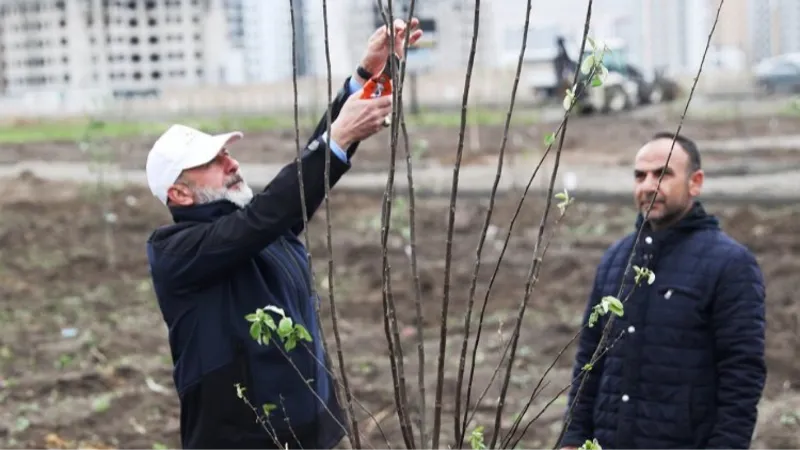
447, 24
774, 28
267, 39
448, 27
131, 47
667, 34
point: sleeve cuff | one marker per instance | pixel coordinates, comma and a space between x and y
353, 85
335, 148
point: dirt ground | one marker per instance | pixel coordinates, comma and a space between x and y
84, 359
600, 139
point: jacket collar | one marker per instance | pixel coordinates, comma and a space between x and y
205, 212
696, 219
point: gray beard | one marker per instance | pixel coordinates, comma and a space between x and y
240, 197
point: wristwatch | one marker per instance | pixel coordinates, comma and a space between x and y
363, 73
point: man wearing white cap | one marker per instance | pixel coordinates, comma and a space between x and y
229, 252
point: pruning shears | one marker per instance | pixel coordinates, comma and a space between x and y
378, 86
381, 85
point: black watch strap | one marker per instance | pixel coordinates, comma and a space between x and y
362, 72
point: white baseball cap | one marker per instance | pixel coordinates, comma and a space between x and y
179, 148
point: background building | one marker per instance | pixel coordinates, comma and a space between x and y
129, 47
774, 27
140, 47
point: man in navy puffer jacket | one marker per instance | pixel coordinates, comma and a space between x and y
230, 252
684, 365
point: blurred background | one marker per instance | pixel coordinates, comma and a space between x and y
213, 56
86, 86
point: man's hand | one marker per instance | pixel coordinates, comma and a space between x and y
360, 119
379, 44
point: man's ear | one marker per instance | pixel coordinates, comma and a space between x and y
180, 195
696, 182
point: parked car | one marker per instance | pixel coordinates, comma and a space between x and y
778, 74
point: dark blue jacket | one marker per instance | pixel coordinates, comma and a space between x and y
216, 264
688, 370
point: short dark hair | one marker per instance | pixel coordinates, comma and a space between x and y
687, 144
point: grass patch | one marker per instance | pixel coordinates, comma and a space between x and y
75, 129
23, 132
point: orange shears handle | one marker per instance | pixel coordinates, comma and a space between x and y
380, 85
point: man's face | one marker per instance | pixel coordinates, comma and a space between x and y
217, 179
678, 187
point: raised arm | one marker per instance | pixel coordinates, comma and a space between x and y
190, 254
352, 85
373, 61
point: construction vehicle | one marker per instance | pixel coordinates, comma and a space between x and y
625, 86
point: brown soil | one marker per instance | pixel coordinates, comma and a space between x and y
110, 385
592, 139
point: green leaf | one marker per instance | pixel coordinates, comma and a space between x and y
240, 390
587, 367
269, 322
591, 42
596, 81
265, 338
476, 438
567, 103
285, 327
591, 445
252, 317
268, 408
593, 317
302, 333
291, 343
651, 277
613, 304
255, 330
550, 139
587, 64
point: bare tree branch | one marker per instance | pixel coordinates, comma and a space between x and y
459, 430
437, 418
353, 435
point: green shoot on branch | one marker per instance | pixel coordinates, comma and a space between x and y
476, 438
607, 303
565, 200
592, 66
642, 273
613, 304
591, 445
263, 326
266, 407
